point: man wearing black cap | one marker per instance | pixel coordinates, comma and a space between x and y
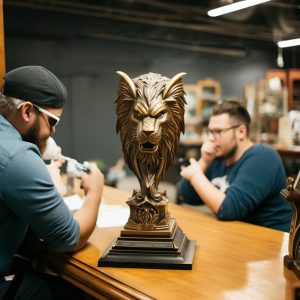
31, 104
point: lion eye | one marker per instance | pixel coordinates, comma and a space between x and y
160, 115
138, 115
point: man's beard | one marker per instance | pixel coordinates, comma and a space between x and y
32, 136
230, 153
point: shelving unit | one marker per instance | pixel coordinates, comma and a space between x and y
200, 97
282, 74
294, 89
209, 94
272, 106
291, 79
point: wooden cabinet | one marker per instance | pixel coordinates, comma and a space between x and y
294, 89
200, 97
291, 79
209, 93
282, 74
271, 106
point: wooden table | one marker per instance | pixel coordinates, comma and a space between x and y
287, 151
233, 260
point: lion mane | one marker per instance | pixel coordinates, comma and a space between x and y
150, 117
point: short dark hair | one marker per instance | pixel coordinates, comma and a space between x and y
7, 106
235, 110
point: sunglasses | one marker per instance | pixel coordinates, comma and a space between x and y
53, 120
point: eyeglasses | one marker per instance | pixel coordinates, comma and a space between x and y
53, 120
216, 133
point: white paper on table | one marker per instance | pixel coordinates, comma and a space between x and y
112, 215
74, 202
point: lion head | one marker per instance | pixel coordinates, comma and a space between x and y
150, 117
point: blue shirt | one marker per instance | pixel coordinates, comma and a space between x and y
252, 186
28, 198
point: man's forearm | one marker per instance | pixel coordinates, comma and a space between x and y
211, 195
87, 216
204, 165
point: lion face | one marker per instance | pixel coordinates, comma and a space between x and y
149, 120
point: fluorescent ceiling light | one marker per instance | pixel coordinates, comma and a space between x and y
234, 7
289, 43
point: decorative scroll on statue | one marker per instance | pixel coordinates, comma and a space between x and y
150, 119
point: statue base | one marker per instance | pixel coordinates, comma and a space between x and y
292, 264
153, 249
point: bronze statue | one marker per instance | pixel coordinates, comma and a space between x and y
150, 118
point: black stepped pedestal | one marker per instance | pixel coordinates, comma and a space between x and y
152, 251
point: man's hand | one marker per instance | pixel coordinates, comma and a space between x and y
208, 154
93, 181
191, 170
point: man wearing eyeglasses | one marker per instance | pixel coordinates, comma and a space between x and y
236, 179
31, 105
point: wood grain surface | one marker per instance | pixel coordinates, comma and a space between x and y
233, 260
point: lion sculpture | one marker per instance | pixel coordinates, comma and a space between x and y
150, 117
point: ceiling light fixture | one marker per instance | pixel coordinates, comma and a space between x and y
234, 7
279, 60
289, 43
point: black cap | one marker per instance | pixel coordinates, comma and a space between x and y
35, 84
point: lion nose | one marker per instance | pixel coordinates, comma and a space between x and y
148, 126
148, 133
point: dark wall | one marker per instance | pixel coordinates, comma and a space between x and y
88, 68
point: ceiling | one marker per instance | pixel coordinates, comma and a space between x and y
182, 24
